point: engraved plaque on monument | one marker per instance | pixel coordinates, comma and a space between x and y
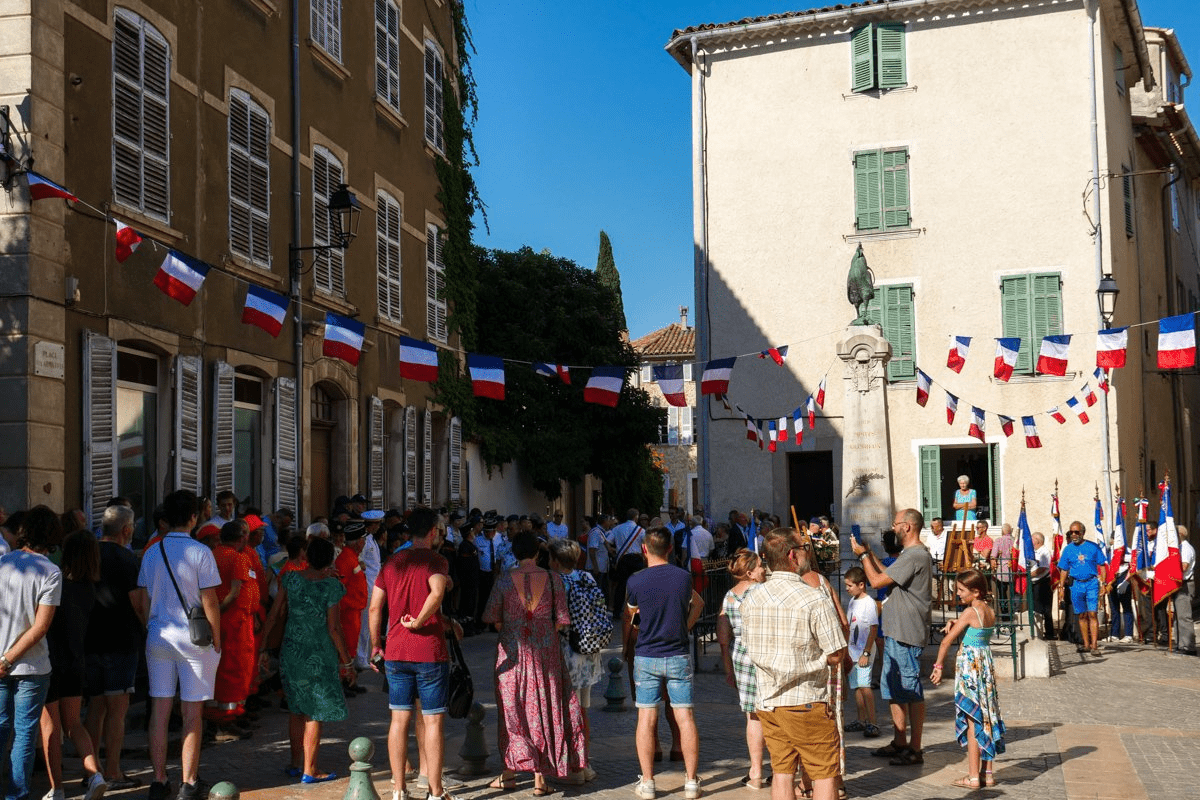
866, 457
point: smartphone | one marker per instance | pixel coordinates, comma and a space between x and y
856, 532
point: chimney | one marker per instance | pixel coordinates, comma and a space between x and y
683, 316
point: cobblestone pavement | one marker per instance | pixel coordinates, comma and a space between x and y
1120, 726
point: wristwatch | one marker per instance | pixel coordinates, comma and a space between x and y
4, 662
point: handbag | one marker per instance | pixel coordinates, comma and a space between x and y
461, 691
591, 623
199, 629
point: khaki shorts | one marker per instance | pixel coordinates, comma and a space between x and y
801, 735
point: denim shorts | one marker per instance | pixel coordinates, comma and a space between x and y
1085, 595
111, 673
649, 674
901, 672
428, 680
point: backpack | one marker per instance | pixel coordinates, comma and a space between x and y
591, 621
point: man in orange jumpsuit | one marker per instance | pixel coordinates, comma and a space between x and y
239, 597
350, 572
263, 577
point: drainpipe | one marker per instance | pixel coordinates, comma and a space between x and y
700, 267
1181, 477
294, 259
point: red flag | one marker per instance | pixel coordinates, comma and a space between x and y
1006, 424
127, 241
821, 392
812, 412
42, 188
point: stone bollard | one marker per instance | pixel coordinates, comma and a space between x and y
615, 693
361, 787
474, 751
224, 791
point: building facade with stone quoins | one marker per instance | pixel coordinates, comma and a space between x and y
176, 118
989, 202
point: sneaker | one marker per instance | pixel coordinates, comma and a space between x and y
447, 782
399, 794
1126, 639
691, 788
852, 727
644, 789
160, 790
871, 731
194, 791
55, 794
96, 787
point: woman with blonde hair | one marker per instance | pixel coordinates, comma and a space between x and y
747, 569
584, 668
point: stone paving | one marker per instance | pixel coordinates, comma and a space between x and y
1121, 726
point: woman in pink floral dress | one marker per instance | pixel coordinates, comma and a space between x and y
541, 726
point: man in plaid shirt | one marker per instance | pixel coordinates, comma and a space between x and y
793, 636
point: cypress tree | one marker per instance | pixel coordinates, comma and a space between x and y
606, 270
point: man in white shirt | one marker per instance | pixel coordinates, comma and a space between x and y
1042, 590
935, 541
597, 552
556, 529
677, 528
226, 509
700, 544
1185, 631
172, 661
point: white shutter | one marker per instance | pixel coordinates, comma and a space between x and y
326, 28
387, 52
249, 179
427, 460
99, 424
328, 265
685, 425
387, 256
672, 425
435, 285
375, 463
285, 445
141, 118
188, 415
410, 457
687, 371
455, 460
222, 428
434, 73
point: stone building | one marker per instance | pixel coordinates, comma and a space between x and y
220, 130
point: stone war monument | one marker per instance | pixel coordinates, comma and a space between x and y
866, 454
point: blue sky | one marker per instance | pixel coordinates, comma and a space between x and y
585, 124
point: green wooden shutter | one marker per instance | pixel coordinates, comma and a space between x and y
895, 188
875, 309
1014, 304
931, 482
867, 186
890, 40
1046, 305
862, 58
899, 328
994, 510
1127, 192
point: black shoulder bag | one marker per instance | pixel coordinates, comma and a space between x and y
461, 691
199, 629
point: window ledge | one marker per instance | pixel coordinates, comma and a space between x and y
245, 268
1016, 379
147, 224
390, 115
322, 299
882, 236
266, 7
432, 151
391, 326
878, 93
331, 65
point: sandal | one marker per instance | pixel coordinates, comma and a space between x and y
966, 782
543, 791
988, 778
889, 750
908, 758
756, 783
504, 785
805, 794
842, 793
318, 778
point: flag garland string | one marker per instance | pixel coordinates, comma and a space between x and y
181, 276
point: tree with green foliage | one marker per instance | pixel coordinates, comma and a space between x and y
538, 307
606, 269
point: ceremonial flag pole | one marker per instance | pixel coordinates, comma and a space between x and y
1028, 561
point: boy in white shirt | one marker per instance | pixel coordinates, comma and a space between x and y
864, 632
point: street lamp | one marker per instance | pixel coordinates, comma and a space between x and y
1106, 294
344, 212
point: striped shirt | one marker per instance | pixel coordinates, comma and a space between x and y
789, 628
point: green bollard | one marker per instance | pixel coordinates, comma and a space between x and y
474, 751
361, 787
224, 791
615, 693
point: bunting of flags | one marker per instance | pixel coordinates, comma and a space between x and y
560, 371
1052, 359
1006, 357
1101, 376
418, 360
42, 188
1032, 441
343, 338
669, 378
923, 386
715, 378
951, 408
821, 392
958, 352
180, 277
265, 309
776, 354
977, 423
127, 241
1057, 416
1079, 408
1110, 348
604, 386
1006, 424
1177, 342
487, 375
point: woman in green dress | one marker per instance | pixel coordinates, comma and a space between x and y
312, 656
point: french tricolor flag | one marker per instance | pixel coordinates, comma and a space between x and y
560, 371
958, 352
798, 424
418, 360
772, 435
487, 375
951, 408
776, 354
811, 406
924, 384
715, 378
1118, 543
751, 429
1052, 360
42, 188
1031, 435
127, 241
265, 308
343, 338
821, 392
782, 426
604, 386
1006, 357
1101, 376
1006, 424
1168, 567
1177, 342
1079, 408
1110, 348
669, 378
762, 439
1089, 396
180, 276
977, 423
1057, 415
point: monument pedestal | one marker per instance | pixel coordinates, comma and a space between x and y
866, 454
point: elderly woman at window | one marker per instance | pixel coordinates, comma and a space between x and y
965, 500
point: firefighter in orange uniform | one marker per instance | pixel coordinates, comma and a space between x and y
350, 572
239, 598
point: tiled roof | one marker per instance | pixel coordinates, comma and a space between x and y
673, 340
712, 26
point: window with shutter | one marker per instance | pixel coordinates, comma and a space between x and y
141, 123
328, 265
685, 425
286, 441
427, 459
931, 481
862, 58
1119, 69
687, 371
375, 463
249, 179
326, 30
99, 424
1031, 305
188, 416
434, 77
892, 309
222, 428
889, 40
410, 457
881, 195
387, 255
672, 425
1127, 197
877, 57
435, 285
387, 52
456, 491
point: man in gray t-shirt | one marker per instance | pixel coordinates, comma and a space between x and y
906, 620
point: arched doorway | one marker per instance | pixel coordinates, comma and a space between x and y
323, 430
